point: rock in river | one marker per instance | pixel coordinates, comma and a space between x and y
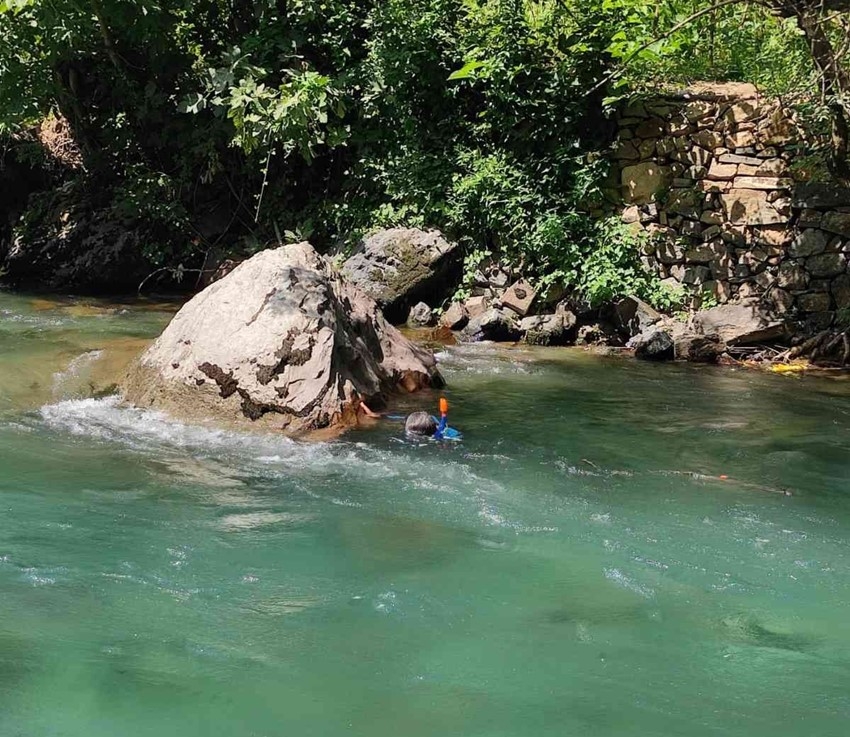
283, 339
402, 266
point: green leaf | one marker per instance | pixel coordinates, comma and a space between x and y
467, 70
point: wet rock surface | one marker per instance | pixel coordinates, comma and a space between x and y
283, 340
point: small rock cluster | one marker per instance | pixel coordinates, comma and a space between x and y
707, 173
504, 307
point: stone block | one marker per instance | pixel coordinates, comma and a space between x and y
742, 112
685, 202
742, 139
772, 168
750, 207
696, 275
764, 280
678, 127
650, 128
782, 301
818, 196
766, 183
699, 156
748, 292
708, 139
642, 182
691, 229
519, 298
665, 147
669, 252
836, 245
840, 289
809, 242
476, 306
698, 110
741, 271
630, 215
733, 235
455, 317
722, 267
837, 222
814, 302
709, 186
710, 217
778, 130
718, 171
826, 264
809, 219
704, 253
740, 324
722, 291
712, 231
626, 151
792, 276
646, 149
747, 171
740, 160
775, 237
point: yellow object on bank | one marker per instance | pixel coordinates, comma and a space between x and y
789, 368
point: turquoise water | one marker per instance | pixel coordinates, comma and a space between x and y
575, 567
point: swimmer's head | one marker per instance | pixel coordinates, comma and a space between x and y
420, 423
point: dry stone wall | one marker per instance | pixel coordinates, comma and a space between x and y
708, 174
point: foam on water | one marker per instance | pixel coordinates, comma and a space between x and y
66, 382
219, 458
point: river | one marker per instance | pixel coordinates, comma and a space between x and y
616, 548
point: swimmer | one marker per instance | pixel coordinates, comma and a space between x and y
423, 425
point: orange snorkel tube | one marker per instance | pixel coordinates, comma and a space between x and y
444, 406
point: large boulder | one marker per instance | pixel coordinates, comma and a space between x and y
402, 266
284, 341
740, 324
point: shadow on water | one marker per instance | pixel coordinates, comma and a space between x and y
748, 630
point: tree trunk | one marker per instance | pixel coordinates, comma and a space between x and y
835, 82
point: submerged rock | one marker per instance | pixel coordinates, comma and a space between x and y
401, 266
283, 339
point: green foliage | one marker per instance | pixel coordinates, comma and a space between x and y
151, 198
612, 268
327, 118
